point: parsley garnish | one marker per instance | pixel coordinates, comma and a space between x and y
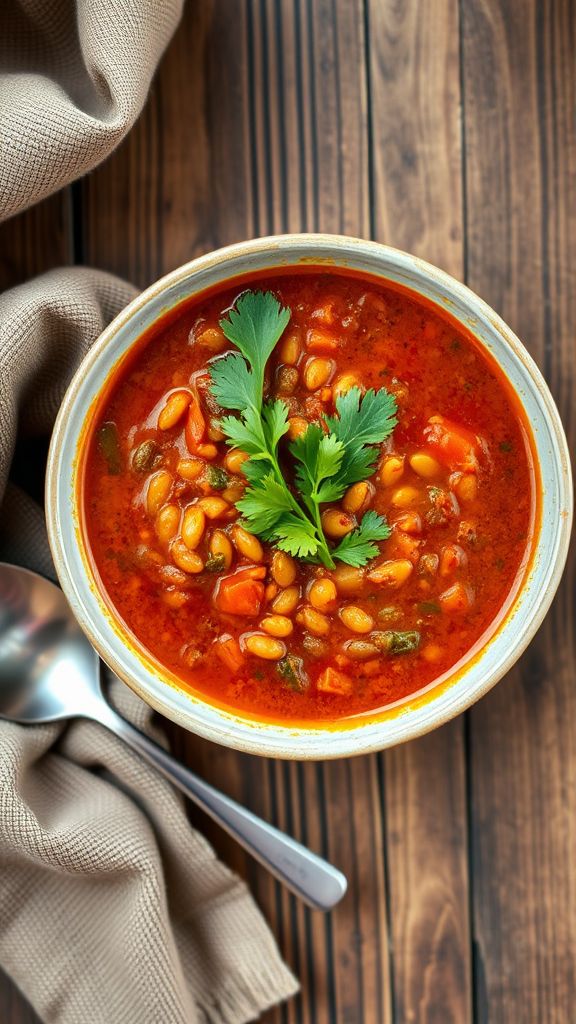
358, 547
327, 463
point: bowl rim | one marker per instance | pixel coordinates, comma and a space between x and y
275, 739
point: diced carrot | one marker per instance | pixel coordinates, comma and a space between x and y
372, 668
255, 572
409, 522
407, 546
320, 341
325, 314
452, 557
332, 681
342, 661
195, 425
240, 593
458, 598
228, 650
454, 445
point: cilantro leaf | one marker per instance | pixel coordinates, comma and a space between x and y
361, 423
264, 503
275, 416
234, 386
358, 464
363, 420
255, 326
358, 547
297, 538
245, 432
319, 456
329, 457
255, 470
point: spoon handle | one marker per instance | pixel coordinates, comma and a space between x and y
308, 876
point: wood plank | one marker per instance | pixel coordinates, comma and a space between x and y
275, 140
417, 173
14, 1009
519, 87
36, 240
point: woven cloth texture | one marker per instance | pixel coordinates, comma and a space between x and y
113, 910
74, 75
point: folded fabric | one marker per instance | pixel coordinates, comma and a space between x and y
112, 909
73, 79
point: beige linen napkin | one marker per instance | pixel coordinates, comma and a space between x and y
112, 909
73, 79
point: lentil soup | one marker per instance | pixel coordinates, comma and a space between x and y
334, 608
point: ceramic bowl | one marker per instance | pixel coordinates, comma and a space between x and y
446, 697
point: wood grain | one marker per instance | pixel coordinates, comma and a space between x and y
445, 129
14, 1008
36, 241
415, 115
417, 205
519, 87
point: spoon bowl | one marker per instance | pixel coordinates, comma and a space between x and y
48, 669
49, 672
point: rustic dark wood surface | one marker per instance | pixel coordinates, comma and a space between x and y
446, 129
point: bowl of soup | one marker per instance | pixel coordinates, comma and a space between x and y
309, 496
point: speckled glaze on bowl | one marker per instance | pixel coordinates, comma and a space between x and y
482, 667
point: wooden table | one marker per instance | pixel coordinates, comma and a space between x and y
445, 129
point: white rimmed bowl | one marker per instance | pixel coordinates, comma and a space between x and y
446, 697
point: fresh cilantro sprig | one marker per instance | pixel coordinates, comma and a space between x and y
327, 462
268, 506
359, 547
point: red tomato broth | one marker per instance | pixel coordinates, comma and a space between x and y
388, 338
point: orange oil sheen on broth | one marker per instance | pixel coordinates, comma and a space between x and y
386, 338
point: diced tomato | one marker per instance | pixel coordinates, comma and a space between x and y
406, 546
228, 650
458, 598
452, 558
372, 668
255, 572
409, 522
332, 681
455, 446
326, 313
195, 425
320, 341
240, 593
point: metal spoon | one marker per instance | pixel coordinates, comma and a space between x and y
49, 671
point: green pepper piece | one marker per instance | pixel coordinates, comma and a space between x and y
291, 669
215, 563
429, 608
109, 445
216, 477
394, 641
